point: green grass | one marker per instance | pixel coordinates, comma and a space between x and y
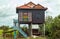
38, 38
20, 38
1, 32
29, 38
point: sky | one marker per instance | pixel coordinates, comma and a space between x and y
8, 9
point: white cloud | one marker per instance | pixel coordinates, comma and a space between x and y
8, 9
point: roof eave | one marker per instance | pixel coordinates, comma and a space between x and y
33, 8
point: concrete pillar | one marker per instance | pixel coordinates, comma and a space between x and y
44, 30
19, 25
43, 26
14, 24
18, 31
30, 30
14, 32
40, 28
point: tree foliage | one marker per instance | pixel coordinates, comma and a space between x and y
52, 25
4, 28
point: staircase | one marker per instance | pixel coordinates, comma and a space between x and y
21, 31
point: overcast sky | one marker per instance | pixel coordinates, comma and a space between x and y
8, 9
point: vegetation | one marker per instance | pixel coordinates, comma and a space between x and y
56, 35
52, 29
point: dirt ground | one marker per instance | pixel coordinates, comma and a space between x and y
1, 37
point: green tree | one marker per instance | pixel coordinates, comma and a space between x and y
48, 25
53, 26
56, 27
5, 28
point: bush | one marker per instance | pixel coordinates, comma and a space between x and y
56, 35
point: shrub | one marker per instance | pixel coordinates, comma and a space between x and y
56, 35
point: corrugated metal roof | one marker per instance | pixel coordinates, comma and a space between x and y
38, 6
31, 5
23, 6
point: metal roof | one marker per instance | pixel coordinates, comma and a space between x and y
31, 5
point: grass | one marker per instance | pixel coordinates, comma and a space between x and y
1, 37
1, 32
25, 38
38, 38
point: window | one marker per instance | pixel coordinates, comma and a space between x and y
25, 17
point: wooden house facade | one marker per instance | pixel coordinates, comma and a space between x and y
31, 13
